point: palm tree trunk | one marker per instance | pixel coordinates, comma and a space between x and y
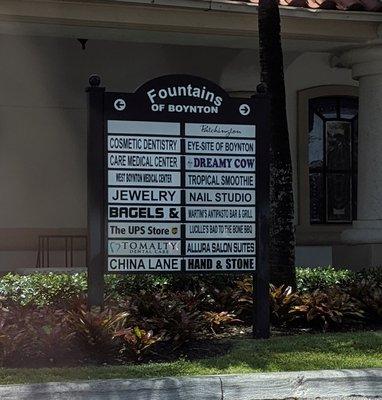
282, 238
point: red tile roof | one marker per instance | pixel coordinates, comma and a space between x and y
343, 5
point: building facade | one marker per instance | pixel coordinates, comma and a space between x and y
333, 73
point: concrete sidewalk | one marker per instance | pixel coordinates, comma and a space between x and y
311, 384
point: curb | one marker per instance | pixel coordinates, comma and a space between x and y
277, 385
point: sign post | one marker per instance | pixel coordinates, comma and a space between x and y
181, 191
95, 193
261, 277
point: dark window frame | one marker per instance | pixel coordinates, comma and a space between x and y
324, 171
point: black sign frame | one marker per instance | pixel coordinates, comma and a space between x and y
102, 107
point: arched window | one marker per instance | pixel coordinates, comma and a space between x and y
333, 138
327, 163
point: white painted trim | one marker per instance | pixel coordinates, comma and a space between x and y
185, 17
307, 233
250, 8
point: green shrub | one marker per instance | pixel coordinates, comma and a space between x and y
327, 309
282, 300
94, 331
44, 319
136, 342
371, 274
221, 293
177, 316
119, 286
219, 320
48, 288
310, 279
367, 289
125, 285
42, 289
31, 335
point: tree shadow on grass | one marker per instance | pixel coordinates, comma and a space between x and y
303, 352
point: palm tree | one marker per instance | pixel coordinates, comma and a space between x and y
282, 238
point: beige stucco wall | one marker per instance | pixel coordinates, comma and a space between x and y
43, 119
43, 126
306, 71
302, 71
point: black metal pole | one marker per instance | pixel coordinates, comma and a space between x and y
261, 278
95, 188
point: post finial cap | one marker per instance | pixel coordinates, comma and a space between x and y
94, 80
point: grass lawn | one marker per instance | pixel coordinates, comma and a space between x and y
293, 353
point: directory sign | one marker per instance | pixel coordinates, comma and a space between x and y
180, 173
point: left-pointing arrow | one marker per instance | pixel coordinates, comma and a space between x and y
119, 104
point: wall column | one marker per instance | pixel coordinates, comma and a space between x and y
366, 66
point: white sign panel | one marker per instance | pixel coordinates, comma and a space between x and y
134, 144
239, 214
223, 247
221, 197
143, 196
144, 247
242, 264
143, 178
143, 128
143, 213
143, 161
221, 230
220, 146
227, 131
152, 264
224, 179
221, 163
146, 230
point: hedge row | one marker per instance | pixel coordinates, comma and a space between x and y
44, 319
44, 289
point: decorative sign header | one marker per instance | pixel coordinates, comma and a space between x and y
179, 98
